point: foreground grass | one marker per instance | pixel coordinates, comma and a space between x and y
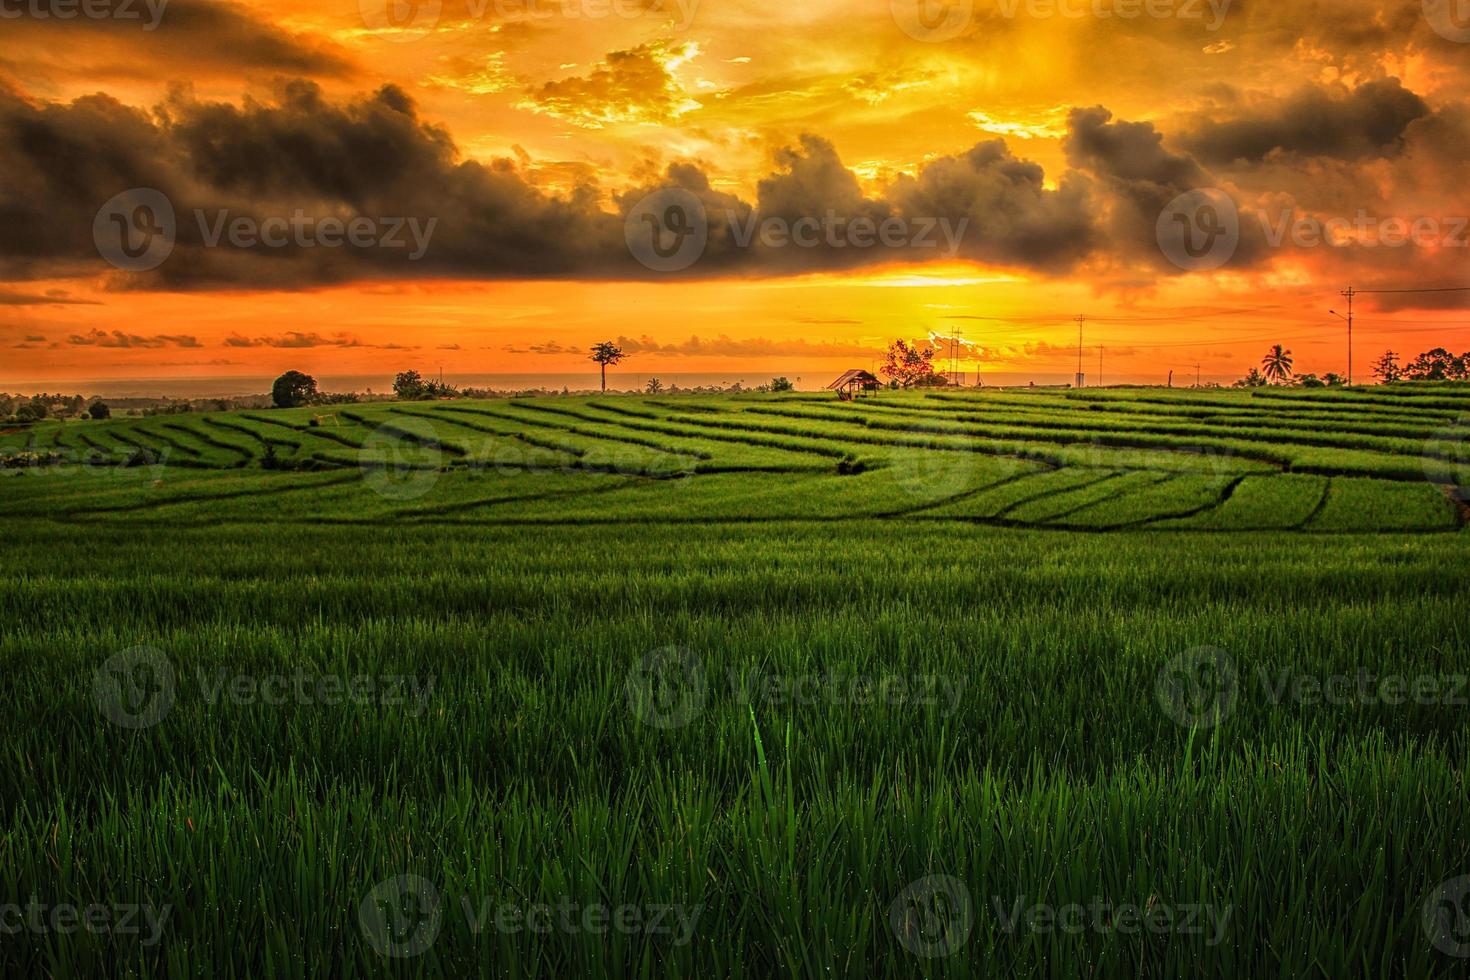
776, 733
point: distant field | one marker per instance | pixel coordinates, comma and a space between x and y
1088, 460
829, 689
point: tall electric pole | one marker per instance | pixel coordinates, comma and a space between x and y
1196, 374
1080, 319
1350, 293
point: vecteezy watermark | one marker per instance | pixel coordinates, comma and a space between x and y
670, 687
933, 21
1199, 688
934, 917
1200, 230
148, 465
1450, 19
945, 20
1363, 230
1446, 917
667, 687
137, 229
400, 460
669, 230
402, 916
1102, 916
96, 918
1211, 13
137, 688
149, 12
1446, 455
409, 20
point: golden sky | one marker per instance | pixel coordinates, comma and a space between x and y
1198, 177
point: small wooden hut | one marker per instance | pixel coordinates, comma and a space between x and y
854, 384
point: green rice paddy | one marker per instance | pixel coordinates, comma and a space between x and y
1113, 682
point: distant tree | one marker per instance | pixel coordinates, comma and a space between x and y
1333, 380
654, 386
293, 389
410, 386
1438, 365
1253, 379
1387, 369
1276, 365
782, 384
99, 410
1310, 381
604, 354
908, 364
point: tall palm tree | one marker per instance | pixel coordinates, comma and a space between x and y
1276, 365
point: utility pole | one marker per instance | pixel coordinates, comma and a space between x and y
1196, 374
1350, 293
1080, 319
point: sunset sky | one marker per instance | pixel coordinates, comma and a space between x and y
1055, 137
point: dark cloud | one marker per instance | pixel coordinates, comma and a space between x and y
50, 298
1012, 218
1348, 124
300, 153
192, 36
118, 339
293, 339
1138, 175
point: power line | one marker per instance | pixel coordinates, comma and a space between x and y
1436, 289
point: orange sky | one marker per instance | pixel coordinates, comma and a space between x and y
531, 130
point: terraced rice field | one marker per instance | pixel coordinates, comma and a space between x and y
1112, 682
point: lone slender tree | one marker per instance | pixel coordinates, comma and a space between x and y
1387, 368
1276, 365
604, 354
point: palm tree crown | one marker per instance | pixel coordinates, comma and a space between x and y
1276, 365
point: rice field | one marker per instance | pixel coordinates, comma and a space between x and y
1111, 682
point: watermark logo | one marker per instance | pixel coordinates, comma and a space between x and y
667, 687
1199, 230
1450, 19
668, 230
120, 10
400, 20
931, 471
932, 21
39, 918
401, 916
135, 688
1447, 917
1198, 688
1446, 456
400, 460
135, 230
1181, 10
932, 917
